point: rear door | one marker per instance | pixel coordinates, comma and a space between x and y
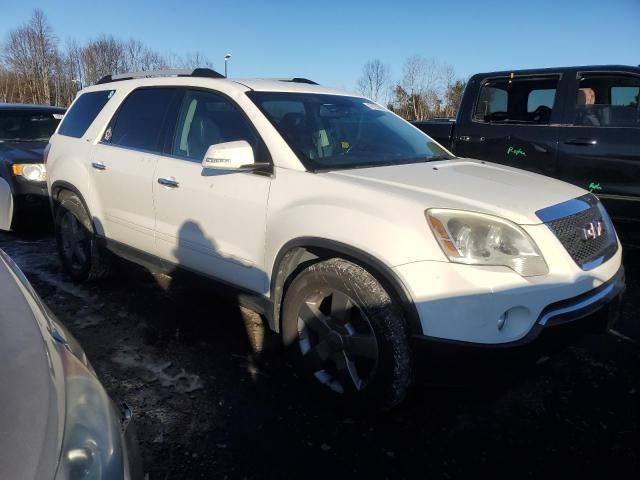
124, 163
600, 145
514, 122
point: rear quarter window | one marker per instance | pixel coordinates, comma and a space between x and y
83, 112
139, 122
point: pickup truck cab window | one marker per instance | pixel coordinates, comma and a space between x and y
608, 101
516, 100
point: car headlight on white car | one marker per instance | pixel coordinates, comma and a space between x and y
34, 172
478, 239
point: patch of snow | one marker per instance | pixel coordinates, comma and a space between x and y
182, 381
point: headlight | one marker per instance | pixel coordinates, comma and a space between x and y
92, 446
478, 239
34, 172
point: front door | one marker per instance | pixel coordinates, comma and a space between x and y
513, 123
600, 146
212, 221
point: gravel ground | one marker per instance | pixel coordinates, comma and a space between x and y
213, 397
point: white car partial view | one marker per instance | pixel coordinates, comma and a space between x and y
359, 238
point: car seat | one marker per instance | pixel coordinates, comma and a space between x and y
202, 134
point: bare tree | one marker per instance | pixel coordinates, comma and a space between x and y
139, 58
422, 91
375, 80
34, 69
193, 60
454, 97
30, 53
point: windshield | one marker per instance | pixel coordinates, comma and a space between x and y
335, 132
27, 125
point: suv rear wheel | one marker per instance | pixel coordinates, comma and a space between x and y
83, 259
346, 336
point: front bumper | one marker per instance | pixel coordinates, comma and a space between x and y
22, 187
595, 311
30, 203
494, 305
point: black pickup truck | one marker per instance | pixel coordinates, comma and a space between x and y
578, 124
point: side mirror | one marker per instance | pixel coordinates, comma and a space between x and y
229, 156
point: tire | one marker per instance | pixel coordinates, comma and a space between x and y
83, 259
346, 336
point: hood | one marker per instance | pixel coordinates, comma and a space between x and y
469, 185
22, 152
30, 402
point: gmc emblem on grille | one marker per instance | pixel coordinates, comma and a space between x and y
592, 230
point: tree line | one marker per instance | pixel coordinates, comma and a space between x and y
36, 68
428, 88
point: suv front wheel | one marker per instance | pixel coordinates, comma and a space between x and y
83, 259
346, 336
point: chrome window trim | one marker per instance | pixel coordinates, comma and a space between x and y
565, 209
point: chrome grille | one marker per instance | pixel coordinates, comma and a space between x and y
588, 251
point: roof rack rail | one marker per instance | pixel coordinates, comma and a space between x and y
196, 72
298, 80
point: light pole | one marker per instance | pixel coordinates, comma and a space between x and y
227, 57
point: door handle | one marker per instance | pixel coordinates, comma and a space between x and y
98, 165
169, 182
581, 141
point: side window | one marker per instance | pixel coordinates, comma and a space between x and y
138, 123
608, 101
541, 98
83, 112
516, 100
491, 100
207, 119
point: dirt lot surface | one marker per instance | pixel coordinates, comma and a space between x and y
206, 405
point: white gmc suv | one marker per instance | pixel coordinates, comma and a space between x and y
358, 237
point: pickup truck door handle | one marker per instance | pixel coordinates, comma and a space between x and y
98, 165
467, 138
581, 141
169, 182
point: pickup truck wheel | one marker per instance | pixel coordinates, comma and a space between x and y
83, 259
346, 336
